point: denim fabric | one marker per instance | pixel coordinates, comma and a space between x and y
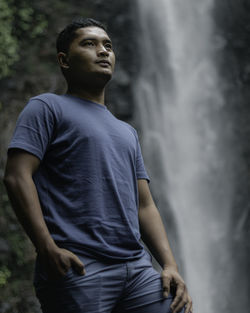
107, 287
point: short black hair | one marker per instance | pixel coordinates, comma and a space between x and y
67, 35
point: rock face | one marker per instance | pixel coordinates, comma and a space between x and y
233, 26
121, 22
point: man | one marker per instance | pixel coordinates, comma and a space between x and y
76, 179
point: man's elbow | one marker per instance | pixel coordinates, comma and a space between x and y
11, 179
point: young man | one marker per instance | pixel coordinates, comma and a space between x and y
76, 179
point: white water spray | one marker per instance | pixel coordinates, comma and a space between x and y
185, 141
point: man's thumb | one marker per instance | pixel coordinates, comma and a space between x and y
77, 264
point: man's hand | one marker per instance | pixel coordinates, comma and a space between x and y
172, 279
58, 261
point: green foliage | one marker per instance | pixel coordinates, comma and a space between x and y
16, 265
13, 232
41, 25
29, 22
9, 44
20, 22
6, 212
4, 275
18, 245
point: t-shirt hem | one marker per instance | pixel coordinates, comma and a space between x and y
26, 147
83, 251
143, 177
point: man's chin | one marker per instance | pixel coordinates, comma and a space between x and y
104, 76
93, 79
105, 71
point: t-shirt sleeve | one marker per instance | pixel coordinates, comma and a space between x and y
34, 128
140, 167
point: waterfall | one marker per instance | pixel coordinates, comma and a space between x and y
186, 142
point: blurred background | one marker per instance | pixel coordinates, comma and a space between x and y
182, 80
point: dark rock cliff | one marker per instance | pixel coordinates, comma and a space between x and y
232, 20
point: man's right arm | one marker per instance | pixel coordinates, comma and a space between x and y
23, 196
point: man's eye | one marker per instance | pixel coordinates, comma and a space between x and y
108, 46
88, 43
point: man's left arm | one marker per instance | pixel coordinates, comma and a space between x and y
155, 237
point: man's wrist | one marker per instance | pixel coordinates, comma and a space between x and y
45, 245
168, 266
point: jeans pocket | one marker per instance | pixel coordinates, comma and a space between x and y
75, 293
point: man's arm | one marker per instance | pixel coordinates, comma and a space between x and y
22, 192
155, 237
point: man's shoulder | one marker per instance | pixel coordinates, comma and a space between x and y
130, 127
47, 97
48, 101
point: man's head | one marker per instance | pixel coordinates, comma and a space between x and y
85, 52
68, 34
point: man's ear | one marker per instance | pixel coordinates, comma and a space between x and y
63, 60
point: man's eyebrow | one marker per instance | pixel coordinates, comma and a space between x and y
105, 39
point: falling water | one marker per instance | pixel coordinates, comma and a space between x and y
186, 142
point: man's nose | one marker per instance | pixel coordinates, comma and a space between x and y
102, 51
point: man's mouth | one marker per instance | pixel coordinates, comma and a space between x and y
104, 62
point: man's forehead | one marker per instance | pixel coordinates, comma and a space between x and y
91, 31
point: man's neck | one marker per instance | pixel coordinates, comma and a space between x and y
94, 95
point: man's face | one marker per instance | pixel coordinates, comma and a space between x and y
91, 53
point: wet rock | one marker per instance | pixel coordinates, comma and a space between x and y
4, 249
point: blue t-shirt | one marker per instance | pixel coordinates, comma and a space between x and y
87, 179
